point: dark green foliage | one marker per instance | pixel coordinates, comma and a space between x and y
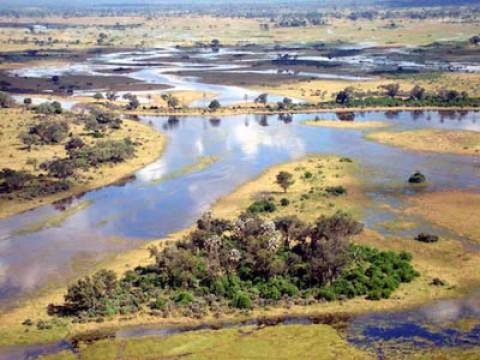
284, 180
284, 202
335, 190
184, 298
417, 178
241, 300
262, 206
26, 185
61, 168
427, 238
307, 175
214, 105
346, 160
48, 108
46, 133
109, 151
246, 263
100, 120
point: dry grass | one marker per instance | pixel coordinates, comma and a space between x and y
455, 210
458, 142
186, 30
14, 121
326, 90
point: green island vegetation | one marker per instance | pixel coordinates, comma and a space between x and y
245, 263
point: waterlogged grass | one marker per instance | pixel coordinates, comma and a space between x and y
200, 164
460, 142
54, 221
320, 342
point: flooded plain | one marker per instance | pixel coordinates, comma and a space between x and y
54, 243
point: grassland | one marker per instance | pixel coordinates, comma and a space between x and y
186, 30
441, 260
16, 157
281, 342
326, 90
458, 142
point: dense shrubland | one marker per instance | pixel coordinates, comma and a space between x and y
50, 177
245, 263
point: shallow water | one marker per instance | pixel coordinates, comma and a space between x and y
142, 208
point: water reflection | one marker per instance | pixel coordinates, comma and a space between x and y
445, 323
142, 207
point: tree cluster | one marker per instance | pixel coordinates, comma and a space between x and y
245, 263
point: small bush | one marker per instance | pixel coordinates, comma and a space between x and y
262, 206
307, 175
284, 202
427, 238
336, 190
346, 160
49, 108
184, 298
242, 301
46, 133
417, 178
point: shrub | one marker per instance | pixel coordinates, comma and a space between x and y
242, 301
335, 190
346, 159
12, 180
49, 108
109, 151
307, 175
284, 202
61, 168
262, 206
427, 238
184, 298
214, 105
417, 178
6, 101
159, 304
46, 133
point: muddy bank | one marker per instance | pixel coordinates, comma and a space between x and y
69, 84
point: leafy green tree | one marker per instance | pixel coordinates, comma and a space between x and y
284, 179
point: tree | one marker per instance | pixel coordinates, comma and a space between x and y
172, 101
391, 90
417, 92
343, 97
133, 103
98, 96
475, 40
6, 101
261, 99
214, 105
284, 180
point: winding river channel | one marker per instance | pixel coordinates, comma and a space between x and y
161, 199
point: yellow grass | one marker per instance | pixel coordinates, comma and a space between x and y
455, 210
186, 30
14, 121
459, 142
326, 90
